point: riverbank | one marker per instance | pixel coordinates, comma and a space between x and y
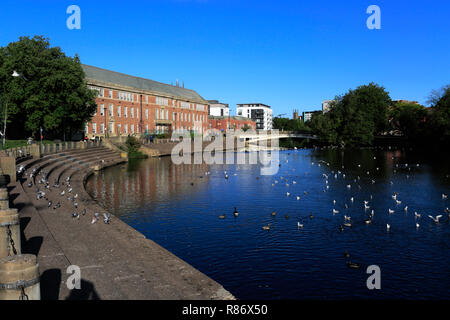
116, 261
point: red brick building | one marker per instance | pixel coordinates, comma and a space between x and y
225, 123
132, 105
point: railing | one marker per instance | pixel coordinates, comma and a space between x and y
26, 151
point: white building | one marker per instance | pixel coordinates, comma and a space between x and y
326, 105
260, 113
218, 109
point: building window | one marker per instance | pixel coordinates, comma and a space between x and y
118, 111
146, 128
157, 114
119, 128
110, 94
94, 127
102, 128
102, 110
167, 114
146, 113
162, 101
111, 127
126, 128
132, 128
132, 112
111, 110
126, 112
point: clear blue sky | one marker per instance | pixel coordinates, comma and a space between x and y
288, 54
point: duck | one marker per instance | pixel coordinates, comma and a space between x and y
335, 211
222, 216
267, 227
347, 224
311, 215
235, 212
391, 211
353, 265
368, 221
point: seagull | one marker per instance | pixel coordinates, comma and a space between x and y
298, 197
406, 209
266, 227
107, 217
436, 220
388, 226
368, 221
444, 196
417, 225
273, 213
63, 192
398, 201
288, 194
366, 207
416, 215
391, 211
95, 218
235, 212
299, 225
394, 197
334, 201
347, 218
335, 211
351, 199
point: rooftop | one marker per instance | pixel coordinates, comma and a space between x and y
112, 77
259, 104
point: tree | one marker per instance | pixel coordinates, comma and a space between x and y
438, 127
409, 118
55, 95
355, 118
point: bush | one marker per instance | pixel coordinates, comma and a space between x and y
132, 144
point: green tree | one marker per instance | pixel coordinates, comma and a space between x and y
409, 118
438, 126
52, 93
355, 118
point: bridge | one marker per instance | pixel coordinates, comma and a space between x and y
253, 137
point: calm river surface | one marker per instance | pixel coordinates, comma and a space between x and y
158, 199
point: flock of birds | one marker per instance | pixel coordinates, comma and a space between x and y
38, 178
366, 206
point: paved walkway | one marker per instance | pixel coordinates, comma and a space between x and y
116, 261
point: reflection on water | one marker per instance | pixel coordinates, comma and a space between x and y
178, 206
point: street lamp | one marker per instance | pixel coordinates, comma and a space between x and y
15, 74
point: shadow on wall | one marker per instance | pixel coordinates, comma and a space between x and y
51, 283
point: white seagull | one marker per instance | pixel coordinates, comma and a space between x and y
436, 220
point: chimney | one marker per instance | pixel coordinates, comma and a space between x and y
183, 84
177, 83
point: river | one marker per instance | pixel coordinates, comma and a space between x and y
178, 206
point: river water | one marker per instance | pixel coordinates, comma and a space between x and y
178, 206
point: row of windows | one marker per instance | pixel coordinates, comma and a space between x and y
159, 114
133, 129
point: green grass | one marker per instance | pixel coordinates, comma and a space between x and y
20, 143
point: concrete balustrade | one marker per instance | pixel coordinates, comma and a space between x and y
19, 278
4, 202
9, 233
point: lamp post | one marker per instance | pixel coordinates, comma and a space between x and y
15, 74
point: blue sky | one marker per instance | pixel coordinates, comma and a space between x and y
287, 54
